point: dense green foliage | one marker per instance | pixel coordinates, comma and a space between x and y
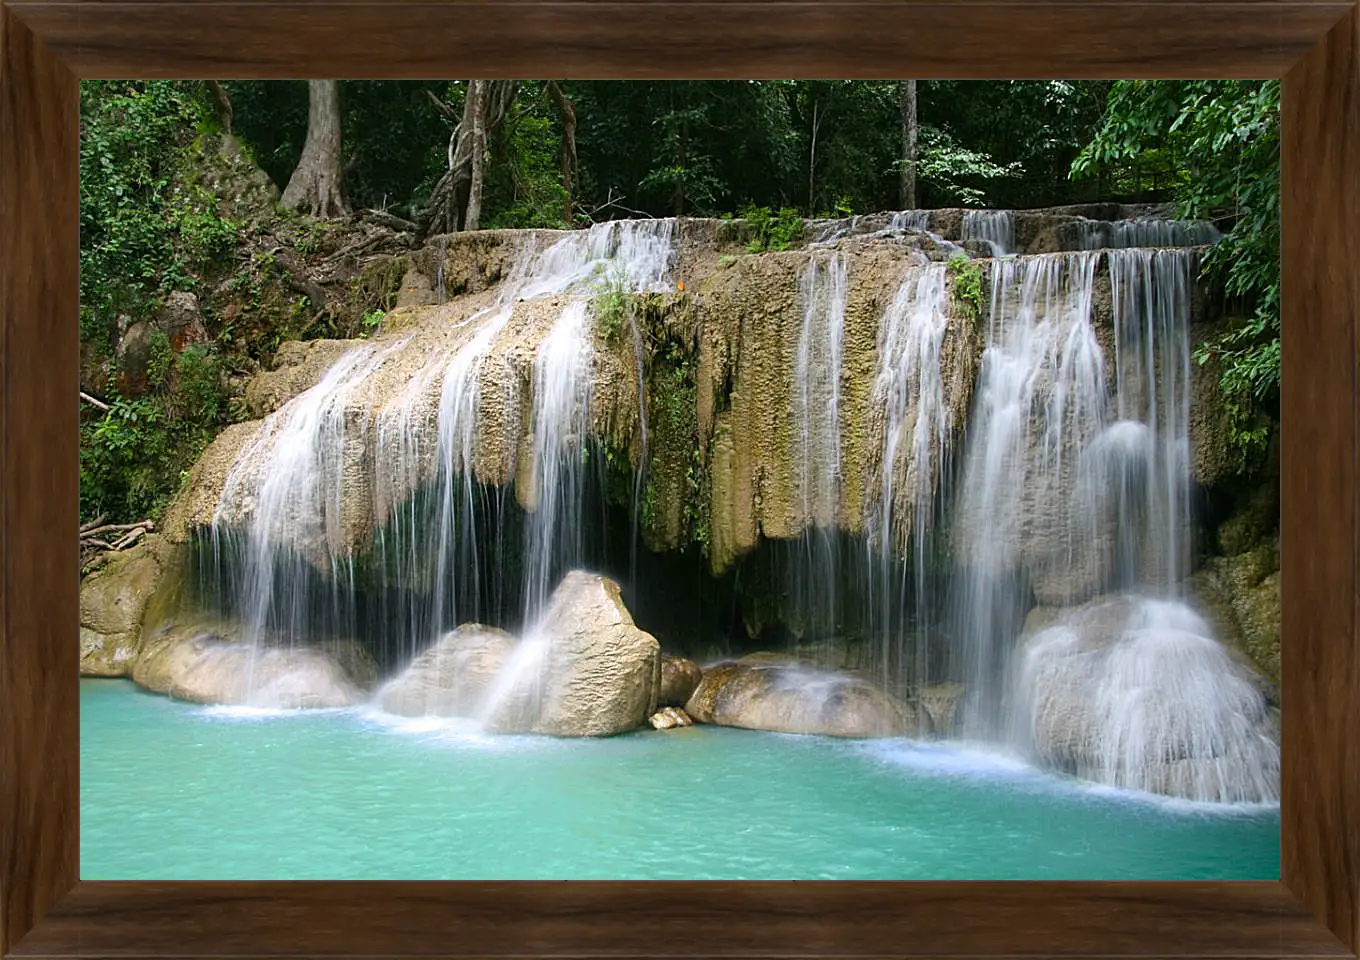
1215, 145
147, 229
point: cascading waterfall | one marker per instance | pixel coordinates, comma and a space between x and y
1040, 399
288, 484
1151, 298
817, 413
1120, 234
277, 531
1130, 688
909, 390
996, 228
562, 369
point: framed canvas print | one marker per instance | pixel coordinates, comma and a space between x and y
679, 475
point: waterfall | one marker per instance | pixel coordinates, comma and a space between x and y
288, 483
996, 228
1120, 234
1136, 693
1040, 398
278, 534
1039, 563
910, 220
817, 414
1151, 298
562, 370
909, 390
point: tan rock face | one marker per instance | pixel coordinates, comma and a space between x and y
117, 599
204, 663
297, 366
113, 599
940, 704
679, 678
787, 698
453, 677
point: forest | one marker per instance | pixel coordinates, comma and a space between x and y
214, 214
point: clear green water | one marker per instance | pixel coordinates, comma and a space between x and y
178, 792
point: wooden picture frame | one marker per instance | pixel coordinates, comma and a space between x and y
48, 45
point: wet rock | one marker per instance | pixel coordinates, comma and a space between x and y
113, 605
1241, 597
679, 677
298, 365
585, 671
453, 677
940, 704
785, 697
1137, 694
107, 654
208, 663
670, 718
416, 290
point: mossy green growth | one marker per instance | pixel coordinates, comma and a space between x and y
966, 282
675, 506
772, 231
612, 306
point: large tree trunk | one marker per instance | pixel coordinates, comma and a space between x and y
909, 135
567, 157
317, 184
452, 205
223, 104
477, 100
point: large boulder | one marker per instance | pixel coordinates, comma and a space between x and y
114, 602
453, 677
207, 663
1137, 694
585, 670
786, 697
679, 678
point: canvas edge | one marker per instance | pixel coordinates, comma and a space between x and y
38, 815
39, 762
1320, 208
648, 38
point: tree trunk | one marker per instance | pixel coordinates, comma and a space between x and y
909, 135
812, 160
451, 207
568, 153
223, 103
477, 103
316, 185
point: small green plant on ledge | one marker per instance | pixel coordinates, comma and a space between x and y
966, 280
373, 319
612, 306
772, 231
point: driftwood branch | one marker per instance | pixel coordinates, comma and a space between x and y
130, 539
94, 402
389, 220
87, 527
145, 526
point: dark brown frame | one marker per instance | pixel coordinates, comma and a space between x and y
49, 44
